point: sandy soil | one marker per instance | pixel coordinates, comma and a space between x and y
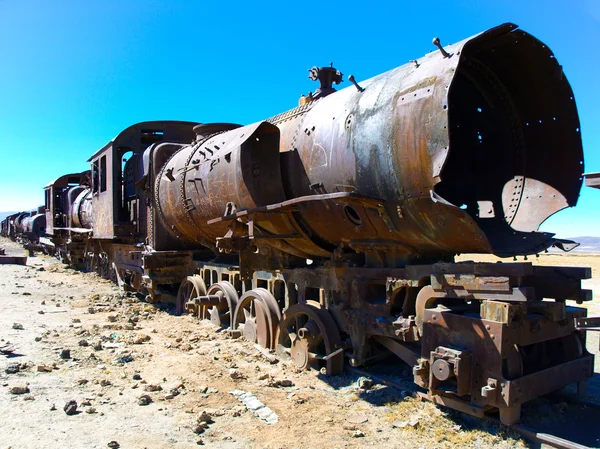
122, 349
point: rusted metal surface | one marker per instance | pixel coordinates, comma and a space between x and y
59, 200
328, 232
514, 352
309, 336
235, 169
466, 179
218, 305
592, 180
34, 227
257, 317
115, 195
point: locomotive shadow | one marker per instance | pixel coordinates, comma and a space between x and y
561, 414
558, 414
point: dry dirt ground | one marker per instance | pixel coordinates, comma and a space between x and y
122, 349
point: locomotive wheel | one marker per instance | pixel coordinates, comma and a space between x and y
190, 288
308, 335
220, 314
257, 317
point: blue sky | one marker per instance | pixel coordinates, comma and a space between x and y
73, 74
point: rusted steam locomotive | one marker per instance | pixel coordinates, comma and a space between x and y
27, 227
328, 232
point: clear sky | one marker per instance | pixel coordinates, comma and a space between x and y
73, 74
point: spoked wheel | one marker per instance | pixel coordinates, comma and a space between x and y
221, 306
190, 288
257, 317
308, 334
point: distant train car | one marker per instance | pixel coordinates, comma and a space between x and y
64, 235
34, 226
8, 223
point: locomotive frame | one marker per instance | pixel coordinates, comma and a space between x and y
328, 232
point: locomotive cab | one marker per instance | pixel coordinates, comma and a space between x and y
117, 167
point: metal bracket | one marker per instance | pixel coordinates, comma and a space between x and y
490, 391
587, 324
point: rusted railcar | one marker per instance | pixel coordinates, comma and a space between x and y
128, 243
328, 232
8, 226
64, 236
34, 226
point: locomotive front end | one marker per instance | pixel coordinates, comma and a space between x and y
514, 155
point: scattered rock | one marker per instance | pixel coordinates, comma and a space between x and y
403, 424
357, 419
17, 326
141, 338
236, 411
111, 318
205, 416
70, 408
65, 354
75, 320
364, 383
83, 343
280, 383
19, 389
90, 410
358, 434
173, 392
235, 374
255, 406
211, 390
152, 387
38, 338
53, 408
12, 368
136, 376
200, 427
144, 399
105, 383
28, 397
41, 269
114, 445
126, 358
202, 388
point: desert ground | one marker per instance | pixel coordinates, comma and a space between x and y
144, 378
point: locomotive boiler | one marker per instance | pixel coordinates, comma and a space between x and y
328, 232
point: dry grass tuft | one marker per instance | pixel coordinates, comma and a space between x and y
439, 428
